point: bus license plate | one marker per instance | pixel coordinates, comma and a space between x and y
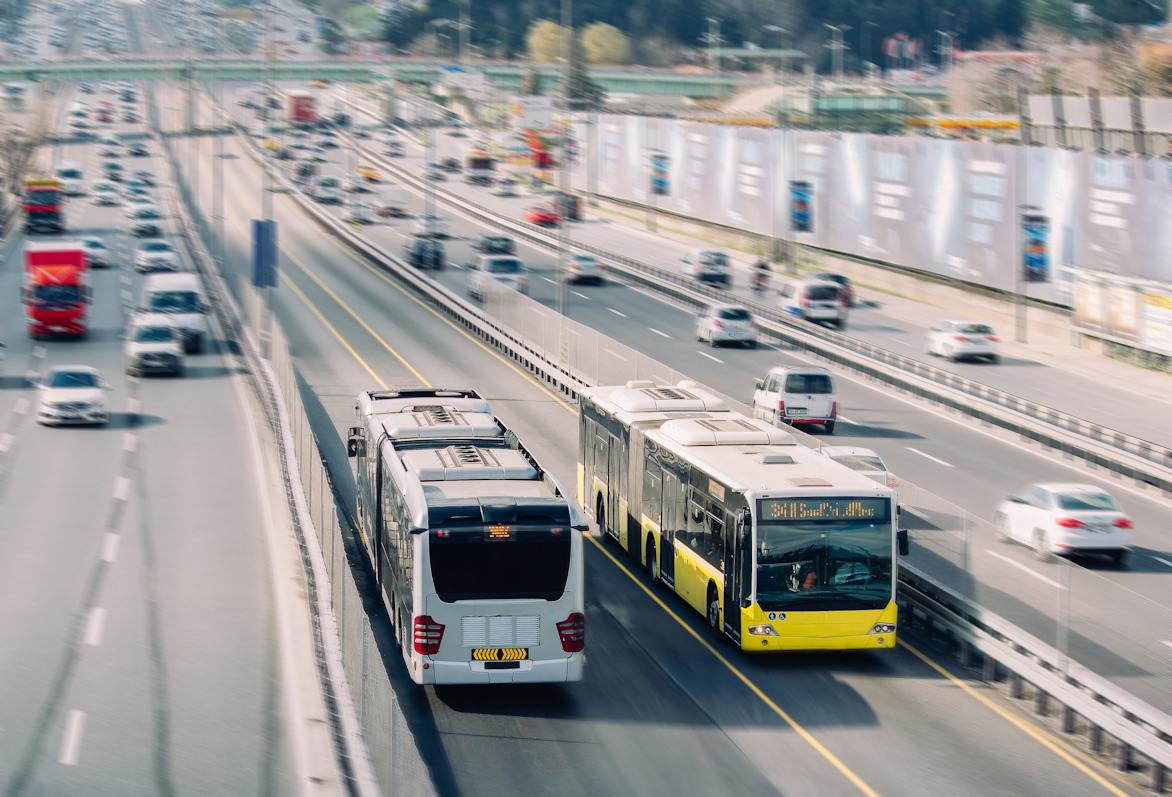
500, 654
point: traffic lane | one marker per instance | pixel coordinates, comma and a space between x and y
451, 358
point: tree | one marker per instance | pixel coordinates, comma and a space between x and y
605, 44
1012, 19
544, 41
364, 19
584, 94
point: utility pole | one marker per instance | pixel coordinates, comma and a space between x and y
836, 47
465, 31
563, 222
713, 44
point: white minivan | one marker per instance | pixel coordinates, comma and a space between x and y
709, 265
72, 178
797, 394
815, 300
181, 297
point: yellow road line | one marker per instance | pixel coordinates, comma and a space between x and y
1058, 747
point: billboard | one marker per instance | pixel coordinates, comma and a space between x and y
660, 179
801, 206
530, 113
1035, 248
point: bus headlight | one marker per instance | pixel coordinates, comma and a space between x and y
762, 630
883, 628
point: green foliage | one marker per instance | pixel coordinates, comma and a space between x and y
363, 18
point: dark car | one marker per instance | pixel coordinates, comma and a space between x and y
113, 171
450, 164
426, 253
146, 177
496, 245
138, 150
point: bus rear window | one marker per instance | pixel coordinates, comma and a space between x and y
469, 564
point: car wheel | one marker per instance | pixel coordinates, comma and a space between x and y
752, 344
1042, 546
829, 427
1120, 557
994, 359
699, 337
712, 341
1001, 523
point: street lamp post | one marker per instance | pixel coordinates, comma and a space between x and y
866, 32
713, 38
780, 40
435, 25
465, 29
563, 136
837, 46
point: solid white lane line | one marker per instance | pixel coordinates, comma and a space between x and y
122, 488
584, 296
94, 627
129, 442
547, 279
5, 442
661, 334
615, 354
21, 406
1020, 566
616, 312
1162, 561
845, 419
929, 456
710, 357
71, 740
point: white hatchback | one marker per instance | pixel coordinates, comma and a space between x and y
1065, 519
726, 323
957, 340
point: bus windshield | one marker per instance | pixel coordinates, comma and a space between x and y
824, 565
490, 564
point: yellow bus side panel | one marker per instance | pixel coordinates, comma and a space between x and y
581, 486
621, 522
693, 575
818, 630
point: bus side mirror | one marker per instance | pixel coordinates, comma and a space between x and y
354, 441
901, 540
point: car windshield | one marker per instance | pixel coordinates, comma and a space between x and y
154, 334
329, 182
146, 213
504, 266
974, 329
733, 314
93, 244
713, 259
56, 294
174, 302
156, 246
861, 462
103, 187
813, 384
72, 379
69, 174
841, 280
824, 565
822, 293
1086, 502
497, 245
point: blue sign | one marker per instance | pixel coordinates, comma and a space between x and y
801, 206
264, 253
1035, 254
660, 176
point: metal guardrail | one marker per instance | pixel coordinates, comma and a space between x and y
1106, 709
1145, 462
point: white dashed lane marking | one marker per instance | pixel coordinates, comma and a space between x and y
94, 625
661, 334
71, 739
929, 456
710, 357
616, 312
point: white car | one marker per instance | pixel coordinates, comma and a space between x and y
359, 212
97, 254
110, 149
863, 460
582, 268
105, 193
505, 188
153, 345
1065, 519
709, 265
726, 323
958, 340
155, 255
505, 270
72, 394
326, 190
430, 226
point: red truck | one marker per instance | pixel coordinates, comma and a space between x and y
43, 204
302, 108
56, 289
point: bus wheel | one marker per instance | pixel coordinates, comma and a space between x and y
652, 564
713, 608
600, 516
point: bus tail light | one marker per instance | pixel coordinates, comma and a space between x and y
428, 635
1068, 523
572, 630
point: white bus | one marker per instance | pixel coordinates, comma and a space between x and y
473, 543
778, 546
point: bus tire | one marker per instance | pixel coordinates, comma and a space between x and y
652, 562
600, 516
713, 608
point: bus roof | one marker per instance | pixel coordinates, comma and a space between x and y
455, 461
745, 454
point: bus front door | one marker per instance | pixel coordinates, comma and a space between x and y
614, 513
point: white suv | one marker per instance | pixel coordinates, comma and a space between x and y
506, 270
793, 394
155, 255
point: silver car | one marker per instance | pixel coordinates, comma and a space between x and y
72, 394
153, 345
582, 268
958, 340
726, 323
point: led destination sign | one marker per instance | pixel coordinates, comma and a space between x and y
825, 509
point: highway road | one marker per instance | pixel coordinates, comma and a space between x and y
956, 461
139, 655
662, 708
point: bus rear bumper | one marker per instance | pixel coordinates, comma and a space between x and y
526, 672
778, 644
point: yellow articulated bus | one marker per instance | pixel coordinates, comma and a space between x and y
780, 548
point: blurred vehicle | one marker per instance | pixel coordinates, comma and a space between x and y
112, 170
843, 282
430, 226
96, 253
302, 108
709, 265
505, 188
155, 255
130, 117
56, 288
542, 215
110, 149
792, 394
304, 171
370, 173
181, 298
85, 88
450, 164
580, 267
72, 394
137, 149
390, 201
316, 155
393, 149
726, 323
105, 193
43, 203
494, 244
958, 340
319, 84
142, 221
1058, 518
505, 270
356, 185
359, 212
434, 175
480, 168
71, 177
814, 300
152, 345
327, 190
425, 253
146, 177
863, 460
568, 206
284, 154
137, 195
